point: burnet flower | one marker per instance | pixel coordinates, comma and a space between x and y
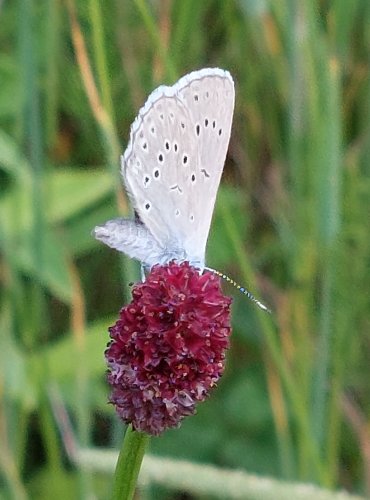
167, 349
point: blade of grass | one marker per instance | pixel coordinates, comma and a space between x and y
326, 160
33, 143
100, 53
52, 55
154, 33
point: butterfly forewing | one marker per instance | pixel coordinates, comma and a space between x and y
174, 161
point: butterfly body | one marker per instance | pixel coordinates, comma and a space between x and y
172, 169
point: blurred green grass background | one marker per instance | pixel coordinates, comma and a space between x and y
291, 224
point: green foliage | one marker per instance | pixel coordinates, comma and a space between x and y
291, 222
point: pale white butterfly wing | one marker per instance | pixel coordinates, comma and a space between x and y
132, 238
174, 161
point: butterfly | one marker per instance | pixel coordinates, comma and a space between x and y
172, 169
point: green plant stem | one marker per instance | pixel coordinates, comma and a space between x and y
128, 464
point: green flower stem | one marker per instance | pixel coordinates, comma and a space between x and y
128, 464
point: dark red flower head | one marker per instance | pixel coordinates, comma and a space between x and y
167, 349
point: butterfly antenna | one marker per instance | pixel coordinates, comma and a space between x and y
240, 288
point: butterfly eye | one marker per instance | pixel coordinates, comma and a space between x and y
175, 147
197, 128
185, 159
147, 206
160, 157
206, 122
156, 173
167, 145
193, 178
220, 131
